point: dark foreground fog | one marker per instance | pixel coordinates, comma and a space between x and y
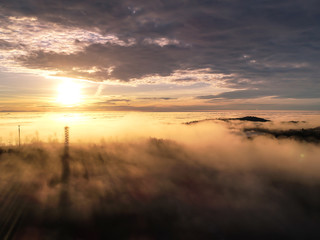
207, 181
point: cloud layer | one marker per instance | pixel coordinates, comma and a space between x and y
267, 48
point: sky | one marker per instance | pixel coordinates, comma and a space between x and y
160, 55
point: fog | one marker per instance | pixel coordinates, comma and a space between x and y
163, 181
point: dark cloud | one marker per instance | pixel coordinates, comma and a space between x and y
245, 94
202, 108
157, 98
263, 44
128, 61
5, 45
112, 101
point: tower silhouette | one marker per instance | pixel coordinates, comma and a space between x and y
65, 157
66, 141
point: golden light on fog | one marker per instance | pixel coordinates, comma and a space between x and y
69, 93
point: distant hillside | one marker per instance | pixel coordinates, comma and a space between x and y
247, 118
308, 135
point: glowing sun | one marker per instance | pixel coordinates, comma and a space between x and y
69, 93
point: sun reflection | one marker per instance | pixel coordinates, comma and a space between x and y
69, 93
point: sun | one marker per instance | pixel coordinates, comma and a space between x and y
69, 93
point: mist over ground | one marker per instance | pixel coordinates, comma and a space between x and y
209, 180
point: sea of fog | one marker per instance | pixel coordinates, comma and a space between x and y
94, 126
129, 175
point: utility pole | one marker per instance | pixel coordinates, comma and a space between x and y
19, 134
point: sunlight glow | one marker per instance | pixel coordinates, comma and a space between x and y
69, 93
